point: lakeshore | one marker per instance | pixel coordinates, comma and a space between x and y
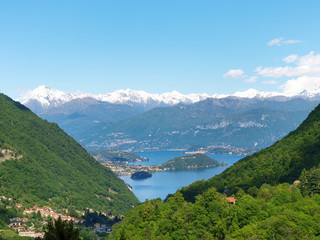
163, 183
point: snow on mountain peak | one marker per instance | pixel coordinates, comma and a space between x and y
51, 97
253, 93
311, 93
142, 97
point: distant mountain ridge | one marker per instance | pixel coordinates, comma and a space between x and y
140, 121
281, 162
238, 122
46, 97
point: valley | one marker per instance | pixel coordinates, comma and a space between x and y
188, 179
262, 196
159, 120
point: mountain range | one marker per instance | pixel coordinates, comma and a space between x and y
140, 121
44, 97
281, 162
243, 202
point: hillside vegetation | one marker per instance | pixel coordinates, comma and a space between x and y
262, 211
54, 170
282, 162
279, 212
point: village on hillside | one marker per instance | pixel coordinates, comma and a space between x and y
30, 221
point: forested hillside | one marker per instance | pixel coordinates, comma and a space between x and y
48, 167
244, 207
280, 212
282, 162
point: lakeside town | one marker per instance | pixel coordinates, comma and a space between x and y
124, 168
30, 221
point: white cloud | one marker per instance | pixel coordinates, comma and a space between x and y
295, 86
291, 58
251, 79
270, 82
310, 59
308, 65
275, 71
234, 74
276, 41
304, 72
291, 41
280, 41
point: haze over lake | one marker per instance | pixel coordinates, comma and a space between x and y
163, 183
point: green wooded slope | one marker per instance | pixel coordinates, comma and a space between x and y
54, 170
282, 162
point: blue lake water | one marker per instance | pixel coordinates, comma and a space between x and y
163, 183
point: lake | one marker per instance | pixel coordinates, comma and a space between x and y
163, 183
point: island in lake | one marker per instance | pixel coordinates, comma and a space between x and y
194, 161
188, 162
141, 175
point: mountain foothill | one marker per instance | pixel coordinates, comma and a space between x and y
273, 194
48, 167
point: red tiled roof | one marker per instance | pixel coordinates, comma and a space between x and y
230, 199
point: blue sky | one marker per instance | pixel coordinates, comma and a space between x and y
159, 46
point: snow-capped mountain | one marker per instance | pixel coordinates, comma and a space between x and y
140, 97
253, 93
49, 97
44, 97
127, 119
312, 93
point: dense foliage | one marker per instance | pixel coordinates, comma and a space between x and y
141, 175
279, 212
116, 155
6, 233
190, 161
61, 230
282, 162
94, 217
54, 170
310, 181
284, 211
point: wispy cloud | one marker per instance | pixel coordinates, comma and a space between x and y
276, 41
280, 41
300, 84
291, 41
304, 71
291, 58
234, 74
270, 82
308, 65
251, 79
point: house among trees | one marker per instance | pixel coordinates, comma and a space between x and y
231, 200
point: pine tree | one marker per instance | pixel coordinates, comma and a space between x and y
61, 230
